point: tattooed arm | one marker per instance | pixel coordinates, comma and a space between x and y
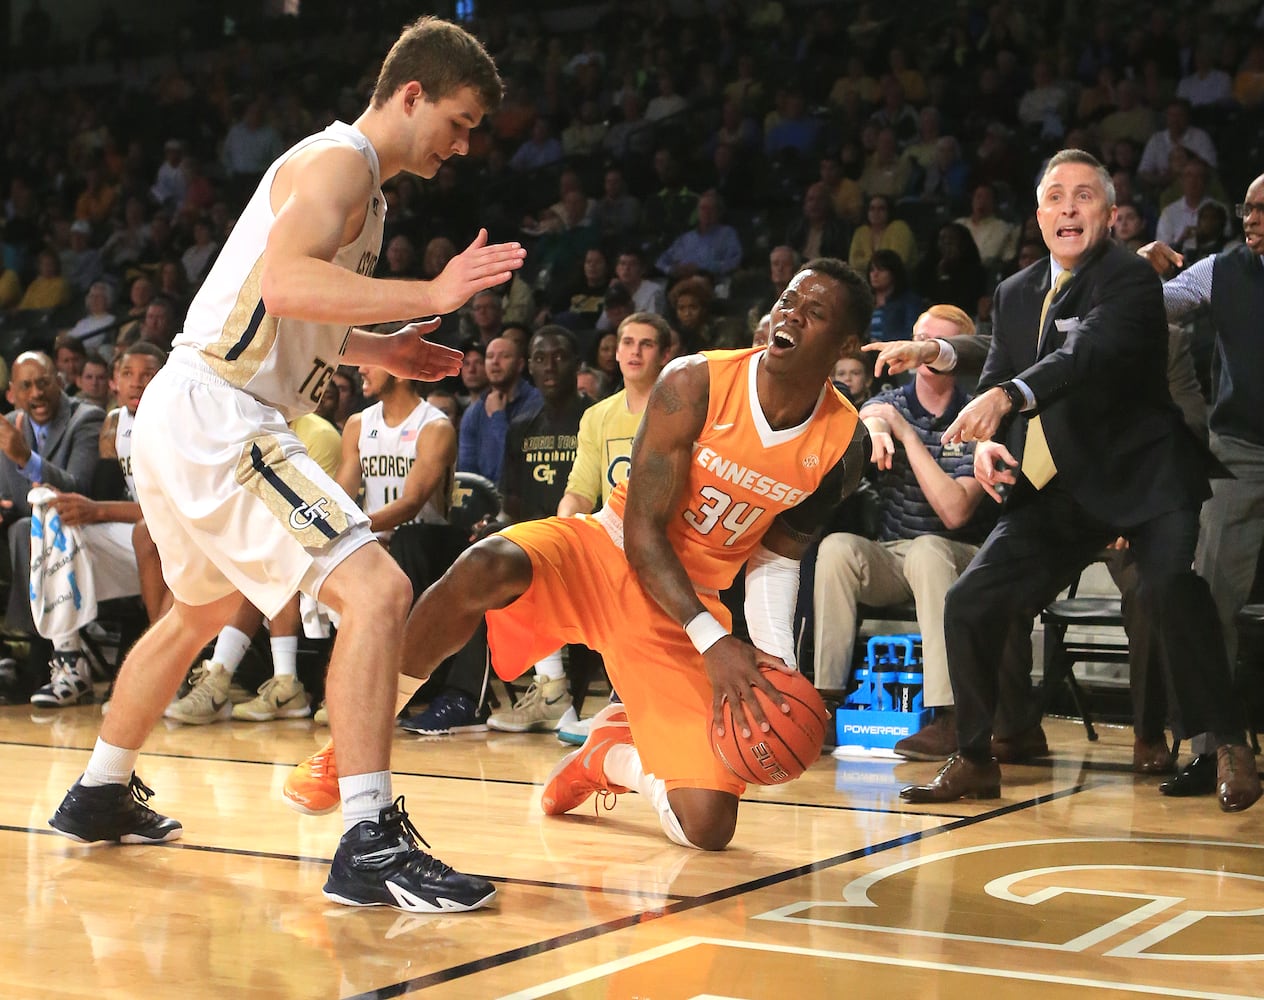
661, 457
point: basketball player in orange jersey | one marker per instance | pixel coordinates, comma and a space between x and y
234, 502
739, 459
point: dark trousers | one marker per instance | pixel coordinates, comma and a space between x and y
1036, 550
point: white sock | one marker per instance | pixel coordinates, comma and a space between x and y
550, 668
70, 644
284, 655
230, 648
364, 796
623, 767
109, 765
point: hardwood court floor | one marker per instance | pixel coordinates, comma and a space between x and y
1081, 882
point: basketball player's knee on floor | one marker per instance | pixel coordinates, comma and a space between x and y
707, 819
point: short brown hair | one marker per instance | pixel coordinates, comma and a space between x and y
443, 58
653, 320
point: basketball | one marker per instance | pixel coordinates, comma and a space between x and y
789, 747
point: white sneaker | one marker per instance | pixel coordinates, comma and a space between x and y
281, 697
576, 732
69, 682
207, 702
541, 709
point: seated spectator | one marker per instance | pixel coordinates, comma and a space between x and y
796, 131
584, 135
48, 289
845, 194
541, 150
10, 287
712, 248
52, 439
1130, 226
1208, 236
97, 325
818, 232
591, 383
80, 262
853, 375
400, 259
944, 181
1099, 100
699, 330
895, 113
881, 232
1130, 120
579, 303
485, 424
616, 307
886, 172
746, 90
96, 202
736, 129
1248, 82
995, 239
667, 102
855, 81
197, 259
783, 264
921, 152
1043, 108
93, 383
128, 245
473, 371
616, 213
952, 272
1177, 131
1178, 221
632, 135
895, 305
670, 210
69, 356
140, 292
934, 515
647, 295
1206, 85
602, 357
171, 182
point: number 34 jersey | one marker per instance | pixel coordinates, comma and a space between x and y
744, 473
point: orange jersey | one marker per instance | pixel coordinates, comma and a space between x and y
744, 473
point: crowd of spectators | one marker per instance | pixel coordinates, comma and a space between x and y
679, 158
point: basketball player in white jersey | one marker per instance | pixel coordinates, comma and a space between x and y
402, 451
232, 500
105, 527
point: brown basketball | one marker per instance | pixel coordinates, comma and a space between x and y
789, 747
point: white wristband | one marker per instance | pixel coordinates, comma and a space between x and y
704, 631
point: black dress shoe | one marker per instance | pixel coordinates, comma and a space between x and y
1198, 777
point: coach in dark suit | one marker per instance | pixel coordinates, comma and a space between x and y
1074, 394
50, 438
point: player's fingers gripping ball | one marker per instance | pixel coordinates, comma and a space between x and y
794, 738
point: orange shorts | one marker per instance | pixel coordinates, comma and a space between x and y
582, 590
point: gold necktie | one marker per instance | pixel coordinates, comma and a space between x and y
1038, 464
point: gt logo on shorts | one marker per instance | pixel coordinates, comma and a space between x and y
301, 504
308, 514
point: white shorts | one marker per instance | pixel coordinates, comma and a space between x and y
231, 497
113, 558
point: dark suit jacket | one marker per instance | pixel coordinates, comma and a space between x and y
1122, 449
69, 456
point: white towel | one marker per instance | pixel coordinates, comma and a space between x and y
63, 594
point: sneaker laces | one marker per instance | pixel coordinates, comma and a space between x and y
395, 818
604, 799
323, 762
531, 697
141, 794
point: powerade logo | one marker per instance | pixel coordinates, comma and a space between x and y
860, 730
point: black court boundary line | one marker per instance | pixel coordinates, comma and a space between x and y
517, 782
694, 902
325, 862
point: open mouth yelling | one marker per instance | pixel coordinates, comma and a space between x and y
781, 341
1069, 232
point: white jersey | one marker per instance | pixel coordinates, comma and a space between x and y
283, 362
123, 447
387, 454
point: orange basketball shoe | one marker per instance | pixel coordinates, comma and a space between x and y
582, 772
312, 787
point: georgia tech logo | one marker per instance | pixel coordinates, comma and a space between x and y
544, 474
308, 514
1111, 898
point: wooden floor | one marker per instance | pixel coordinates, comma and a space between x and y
1081, 882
